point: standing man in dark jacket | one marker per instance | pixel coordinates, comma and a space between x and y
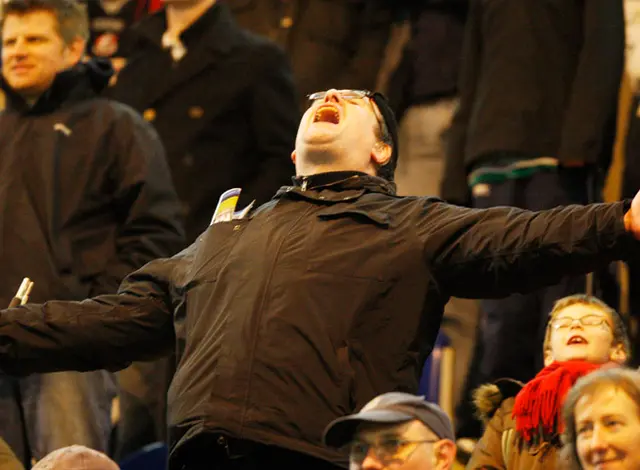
316, 302
224, 104
222, 100
85, 198
535, 129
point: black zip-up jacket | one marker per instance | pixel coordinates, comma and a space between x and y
85, 193
538, 78
324, 297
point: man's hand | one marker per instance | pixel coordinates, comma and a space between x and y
632, 217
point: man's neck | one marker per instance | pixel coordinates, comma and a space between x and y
180, 17
309, 170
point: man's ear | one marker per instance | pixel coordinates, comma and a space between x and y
618, 354
444, 455
293, 157
381, 153
548, 357
75, 51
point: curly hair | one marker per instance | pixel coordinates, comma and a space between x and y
623, 379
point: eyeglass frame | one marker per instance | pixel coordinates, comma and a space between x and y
581, 322
359, 95
387, 460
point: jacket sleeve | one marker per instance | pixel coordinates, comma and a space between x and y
454, 186
487, 454
499, 251
275, 116
106, 332
150, 221
593, 98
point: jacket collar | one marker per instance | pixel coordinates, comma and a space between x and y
344, 180
83, 81
215, 30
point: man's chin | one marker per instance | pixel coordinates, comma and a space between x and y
24, 88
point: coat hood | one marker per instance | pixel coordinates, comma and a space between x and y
488, 398
83, 81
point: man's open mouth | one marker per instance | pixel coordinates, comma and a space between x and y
327, 113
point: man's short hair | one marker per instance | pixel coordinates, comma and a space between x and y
388, 134
73, 21
620, 335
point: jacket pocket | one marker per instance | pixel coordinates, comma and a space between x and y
353, 243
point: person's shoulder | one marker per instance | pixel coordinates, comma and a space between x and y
262, 48
115, 110
118, 117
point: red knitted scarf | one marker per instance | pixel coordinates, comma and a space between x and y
538, 405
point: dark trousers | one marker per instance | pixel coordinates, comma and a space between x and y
216, 452
512, 328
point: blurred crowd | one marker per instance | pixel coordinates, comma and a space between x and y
125, 121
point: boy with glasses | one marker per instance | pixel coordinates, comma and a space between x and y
395, 430
582, 335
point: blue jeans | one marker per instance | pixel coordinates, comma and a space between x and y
43, 412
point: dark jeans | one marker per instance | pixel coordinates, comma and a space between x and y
216, 452
513, 327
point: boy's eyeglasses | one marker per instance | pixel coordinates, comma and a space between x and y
587, 320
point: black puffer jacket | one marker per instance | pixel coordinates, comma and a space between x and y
324, 297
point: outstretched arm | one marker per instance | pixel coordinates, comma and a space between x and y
503, 250
106, 332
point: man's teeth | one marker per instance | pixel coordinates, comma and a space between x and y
327, 114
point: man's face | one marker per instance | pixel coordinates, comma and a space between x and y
405, 446
33, 52
572, 339
607, 430
340, 134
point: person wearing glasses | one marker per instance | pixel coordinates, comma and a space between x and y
307, 307
225, 105
523, 420
395, 430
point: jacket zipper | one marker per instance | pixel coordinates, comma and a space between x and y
263, 298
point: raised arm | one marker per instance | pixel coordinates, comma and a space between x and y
106, 332
499, 251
